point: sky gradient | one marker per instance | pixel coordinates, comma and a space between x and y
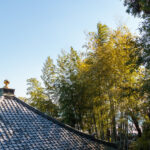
31, 30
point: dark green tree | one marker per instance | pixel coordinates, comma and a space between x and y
141, 8
68, 87
138, 7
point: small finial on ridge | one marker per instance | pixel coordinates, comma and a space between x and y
6, 82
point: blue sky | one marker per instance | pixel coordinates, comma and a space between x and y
31, 30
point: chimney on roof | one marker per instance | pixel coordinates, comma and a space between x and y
5, 91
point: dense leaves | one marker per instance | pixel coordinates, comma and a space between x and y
137, 7
141, 8
98, 92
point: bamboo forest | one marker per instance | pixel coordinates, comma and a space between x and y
103, 90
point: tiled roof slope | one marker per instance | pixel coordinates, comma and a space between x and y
25, 128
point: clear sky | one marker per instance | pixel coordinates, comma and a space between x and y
31, 30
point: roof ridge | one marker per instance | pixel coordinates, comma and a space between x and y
67, 127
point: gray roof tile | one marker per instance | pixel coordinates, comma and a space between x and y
25, 128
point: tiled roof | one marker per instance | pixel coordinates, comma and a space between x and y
24, 128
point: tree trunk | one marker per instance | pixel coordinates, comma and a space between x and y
114, 133
95, 125
136, 125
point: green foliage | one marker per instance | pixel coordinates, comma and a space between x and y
36, 93
68, 88
49, 78
142, 143
102, 33
23, 99
38, 99
141, 8
99, 93
137, 7
108, 78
